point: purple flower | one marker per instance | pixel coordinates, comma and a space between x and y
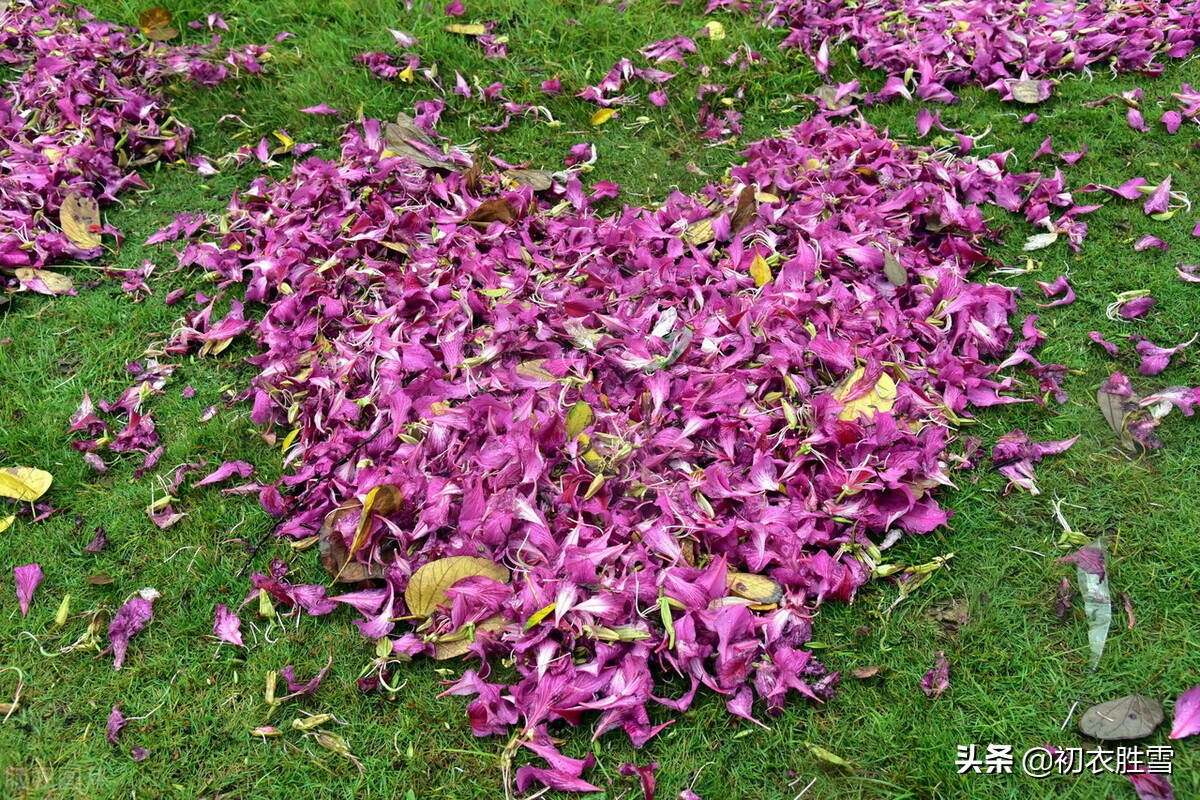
128, 622
937, 680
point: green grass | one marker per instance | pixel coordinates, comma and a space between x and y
1016, 669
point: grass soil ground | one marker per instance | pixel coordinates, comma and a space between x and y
1016, 669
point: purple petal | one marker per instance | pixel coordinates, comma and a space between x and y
1187, 714
28, 579
937, 680
228, 626
116, 721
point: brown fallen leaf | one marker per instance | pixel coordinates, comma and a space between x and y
862, 673
382, 500
1134, 716
495, 210
745, 211
700, 232
334, 554
539, 179
950, 616
403, 138
155, 24
459, 642
1028, 92
100, 579
79, 217
426, 589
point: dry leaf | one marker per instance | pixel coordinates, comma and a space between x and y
155, 24
427, 588
79, 217
881, 397
534, 370
828, 756
862, 673
894, 270
334, 554
382, 500
1027, 92
467, 29
950, 616
495, 210
758, 588
602, 116
700, 231
539, 179
24, 483
579, 417
100, 579
455, 647
745, 211
1134, 716
43, 280
1039, 241
1113, 408
760, 270
399, 137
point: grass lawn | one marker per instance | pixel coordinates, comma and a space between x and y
1016, 669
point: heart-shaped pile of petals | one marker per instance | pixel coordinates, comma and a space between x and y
84, 108
936, 45
623, 409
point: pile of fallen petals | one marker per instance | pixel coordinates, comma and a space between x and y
927, 48
83, 109
633, 412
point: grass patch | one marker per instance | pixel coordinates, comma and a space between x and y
1016, 669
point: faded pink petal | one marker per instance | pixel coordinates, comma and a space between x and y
1187, 714
228, 626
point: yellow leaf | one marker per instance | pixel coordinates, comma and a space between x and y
382, 500
700, 231
579, 416
406, 74
287, 440
79, 217
7, 521
534, 370
540, 615
427, 587
24, 483
602, 116
467, 30
53, 281
881, 397
716, 31
760, 270
758, 588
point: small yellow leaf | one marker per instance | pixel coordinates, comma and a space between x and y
467, 30
54, 282
7, 521
540, 615
602, 116
427, 588
700, 231
828, 756
579, 417
382, 500
881, 397
24, 483
760, 270
79, 217
716, 31
758, 588
406, 74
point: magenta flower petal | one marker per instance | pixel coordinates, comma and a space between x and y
937, 680
228, 626
1187, 714
28, 578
